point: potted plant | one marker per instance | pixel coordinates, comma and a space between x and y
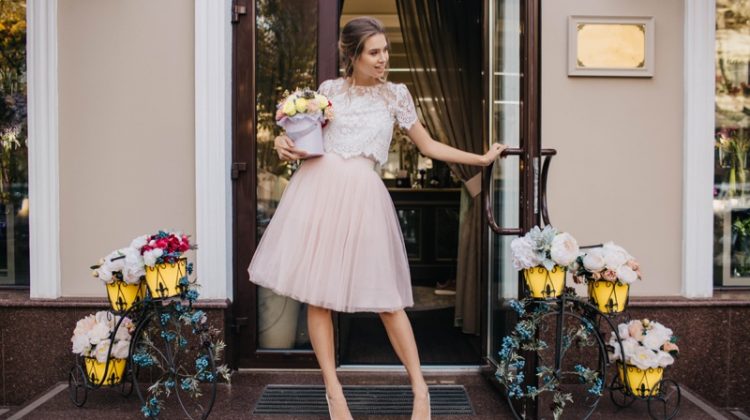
122, 272
103, 340
543, 255
644, 349
166, 269
609, 271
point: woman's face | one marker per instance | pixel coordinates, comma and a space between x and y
372, 62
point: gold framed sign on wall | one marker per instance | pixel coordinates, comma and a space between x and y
610, 46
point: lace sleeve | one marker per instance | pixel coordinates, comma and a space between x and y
325, 88
406, 114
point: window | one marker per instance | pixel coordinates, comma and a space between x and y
732, 144
14, 201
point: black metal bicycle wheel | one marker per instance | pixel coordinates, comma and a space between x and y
178, 366
77, 386
574, 346
666, 404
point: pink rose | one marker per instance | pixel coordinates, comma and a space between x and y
635, 329
609, 275
670, 346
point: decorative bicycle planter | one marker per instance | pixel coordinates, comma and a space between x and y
564, 335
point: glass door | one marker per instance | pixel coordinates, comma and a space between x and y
513, 187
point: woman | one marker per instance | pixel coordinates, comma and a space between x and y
335, 241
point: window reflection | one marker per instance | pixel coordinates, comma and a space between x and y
732, 144
286, 57
14, 202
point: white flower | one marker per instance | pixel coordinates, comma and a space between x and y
101, 350
104, 274
99, 333
122, 333
614, 258
594, 260
84, 325
149, 257
664, 359
626, 274
134, 266
524, 255
121, 349
623, 330
656, 335
81, 344
564, 249
139, 242
610, 246
642, 358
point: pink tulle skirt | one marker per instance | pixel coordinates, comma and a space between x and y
335, 240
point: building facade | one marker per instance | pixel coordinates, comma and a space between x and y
147, 115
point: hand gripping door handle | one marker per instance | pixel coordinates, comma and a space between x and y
548, 154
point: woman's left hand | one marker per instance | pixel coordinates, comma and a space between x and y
495, 150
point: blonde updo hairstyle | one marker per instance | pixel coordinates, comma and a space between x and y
352, 42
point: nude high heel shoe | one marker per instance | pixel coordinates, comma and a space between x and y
328, 402
429, 409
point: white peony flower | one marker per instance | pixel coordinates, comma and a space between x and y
149, 257
81, 344
99, 333
139, 242
524, 255
122, 333
614, 258
84, 325
134, 266
564, 249
622, 329
594, 260
610, 246
656, 336
101, 351
121, 349
642, 358
626, 274
664, 359
104, 274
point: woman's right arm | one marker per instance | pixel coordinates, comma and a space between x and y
284, 146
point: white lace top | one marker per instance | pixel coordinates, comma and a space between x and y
363, 117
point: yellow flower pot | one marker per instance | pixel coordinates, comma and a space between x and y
544, 284
95, 371
609, 297
123, 295
163, 280
641, 383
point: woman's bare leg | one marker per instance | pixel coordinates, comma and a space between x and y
400, 333
320, 329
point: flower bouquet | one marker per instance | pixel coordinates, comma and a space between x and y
103, 340
166, 269
608, 270
303, 114
544, 254
122, 271
644, 350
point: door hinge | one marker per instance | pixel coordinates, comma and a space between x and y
237, 11
237, 323
238, 167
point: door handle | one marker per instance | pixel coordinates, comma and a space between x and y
486, 196
548, 154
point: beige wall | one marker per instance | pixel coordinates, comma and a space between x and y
618, 175
127, 162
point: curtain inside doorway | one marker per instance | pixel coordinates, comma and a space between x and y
443, 42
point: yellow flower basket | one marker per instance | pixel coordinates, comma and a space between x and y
642, 383
609, 297
122, 296
545, 284
163, 280
95, 371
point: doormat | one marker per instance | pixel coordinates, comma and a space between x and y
362, 399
